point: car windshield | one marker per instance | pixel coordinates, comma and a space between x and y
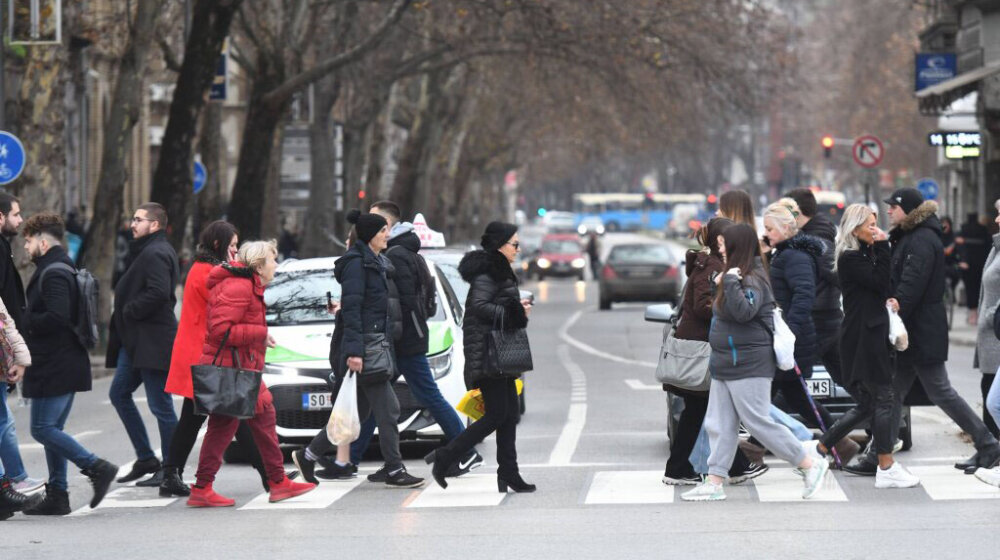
648, 254
560, 246
459, 286
299, 296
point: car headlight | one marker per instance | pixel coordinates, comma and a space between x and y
544, 263
579, 263
582, 229
440, 363
600, 230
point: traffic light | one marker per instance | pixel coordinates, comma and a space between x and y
361, 195
542, 212
827, 142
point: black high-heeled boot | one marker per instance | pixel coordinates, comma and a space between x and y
442, 462
514, 482
173, 483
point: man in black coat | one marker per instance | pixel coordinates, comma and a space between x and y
918, 284
143, 326
60, 366
11, 287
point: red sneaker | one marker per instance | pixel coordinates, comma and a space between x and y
206, 497
288, 489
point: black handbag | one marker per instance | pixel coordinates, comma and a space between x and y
508, 353
379, 364
225, 390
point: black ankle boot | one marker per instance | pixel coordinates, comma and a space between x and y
12, 501
442, 462
56, 502
101, 474
514, 482
173, 483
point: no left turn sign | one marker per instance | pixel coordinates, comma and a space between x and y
868, 151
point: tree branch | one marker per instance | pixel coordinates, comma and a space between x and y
169, 56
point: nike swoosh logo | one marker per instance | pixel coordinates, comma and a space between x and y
463, 465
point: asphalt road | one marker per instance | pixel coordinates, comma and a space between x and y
593, 440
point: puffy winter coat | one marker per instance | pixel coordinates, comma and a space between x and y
794, 267
493, 300
369, 300
235, 305
742, 346
987, 344
22, 356
864, 333
918, 283
11, 287
699, 295
827, 285
191, 331
417, 294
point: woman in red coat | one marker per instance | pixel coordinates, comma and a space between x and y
237, 328
217, 244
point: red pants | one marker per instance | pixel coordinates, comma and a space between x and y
220, 433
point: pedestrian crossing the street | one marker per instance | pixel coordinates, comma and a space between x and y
601, 488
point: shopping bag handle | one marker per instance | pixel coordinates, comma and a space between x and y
232, 349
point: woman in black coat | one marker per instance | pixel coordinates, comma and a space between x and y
494, 303
863, 259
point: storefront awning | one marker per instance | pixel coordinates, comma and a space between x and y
934, 99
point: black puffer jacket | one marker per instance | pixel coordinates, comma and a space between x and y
369, 301
794, 267
827, 284
416, 293
918, 281
493, 300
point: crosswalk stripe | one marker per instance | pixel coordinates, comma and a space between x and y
126, 497
948, 483
322, 497
471, 490
781, 485
628, 487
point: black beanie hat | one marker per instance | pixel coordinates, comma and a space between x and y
497, 233
366, 225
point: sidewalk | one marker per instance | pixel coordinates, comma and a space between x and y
962, 334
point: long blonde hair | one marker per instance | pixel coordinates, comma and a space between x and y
855, 216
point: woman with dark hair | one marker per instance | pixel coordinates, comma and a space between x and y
494, 302
738, 207
217, 244
696, 318
742, 365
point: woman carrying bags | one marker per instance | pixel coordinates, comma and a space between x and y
742, 366
236, 328
863, 257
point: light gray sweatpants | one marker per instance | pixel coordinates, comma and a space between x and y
748, 400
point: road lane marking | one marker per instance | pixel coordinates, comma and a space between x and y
127, 497
949, 483
637, 385
78, 437
322, 497
471, 490
564, 334
628, 487
565, 446
781, 485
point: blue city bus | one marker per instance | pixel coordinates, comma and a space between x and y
638, 211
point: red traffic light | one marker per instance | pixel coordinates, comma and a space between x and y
361, 195
712, 199
827, 142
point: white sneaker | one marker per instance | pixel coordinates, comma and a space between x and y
705, 492
895, 477
28, 485
814, 477
989, 476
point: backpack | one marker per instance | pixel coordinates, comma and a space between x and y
88, 292
426, 294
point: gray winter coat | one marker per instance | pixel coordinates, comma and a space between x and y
987, 345
741, 346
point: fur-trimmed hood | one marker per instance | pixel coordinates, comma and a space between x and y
924, 215
225, 271
803, 242
479, 262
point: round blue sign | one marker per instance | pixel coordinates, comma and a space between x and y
11, 158
928, 187
200, 175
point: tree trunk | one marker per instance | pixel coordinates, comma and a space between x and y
172, 186
125, 106
271, 221
405, 187
210, 145
321, 217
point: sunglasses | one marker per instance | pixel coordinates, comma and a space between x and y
515, 244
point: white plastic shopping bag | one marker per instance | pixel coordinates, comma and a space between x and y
344, 425
784, 343
898, 336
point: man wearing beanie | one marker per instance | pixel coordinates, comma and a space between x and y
918, 284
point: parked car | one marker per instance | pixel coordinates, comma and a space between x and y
559, 222
639, 272
561, 254
591, 224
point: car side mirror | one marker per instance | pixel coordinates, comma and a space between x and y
659, 313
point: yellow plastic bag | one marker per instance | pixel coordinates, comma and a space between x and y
472, 404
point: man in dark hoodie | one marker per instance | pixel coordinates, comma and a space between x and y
918, 283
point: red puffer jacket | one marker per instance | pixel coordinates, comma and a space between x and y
236, 305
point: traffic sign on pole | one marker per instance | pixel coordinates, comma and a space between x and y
928, 187
200, 175
11, 157
868, 151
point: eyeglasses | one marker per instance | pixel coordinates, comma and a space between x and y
137, 219
514, 244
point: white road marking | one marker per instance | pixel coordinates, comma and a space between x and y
38, 446
564, 334
948, 483
637, 385
322, 497
629, 487
781, 485
471, 490
127, 497
565, 446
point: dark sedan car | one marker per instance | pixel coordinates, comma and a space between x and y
639, 272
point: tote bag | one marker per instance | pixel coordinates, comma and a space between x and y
229, 391
683, 363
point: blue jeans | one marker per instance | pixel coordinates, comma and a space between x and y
127, 379
48, 418
10, 456
419, 378
993, 399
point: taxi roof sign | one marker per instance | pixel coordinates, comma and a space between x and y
429, 239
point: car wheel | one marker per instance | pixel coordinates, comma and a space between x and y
580, 277
906, 431
612, 226
541, 277
604, 303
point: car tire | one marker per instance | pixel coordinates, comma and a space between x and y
541, 277
604, 303
580, 277
612, 226
906, 431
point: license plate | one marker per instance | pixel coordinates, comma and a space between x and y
642, 272
316, 401
820, 387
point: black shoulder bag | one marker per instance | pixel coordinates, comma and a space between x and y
508, 353
229, 391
